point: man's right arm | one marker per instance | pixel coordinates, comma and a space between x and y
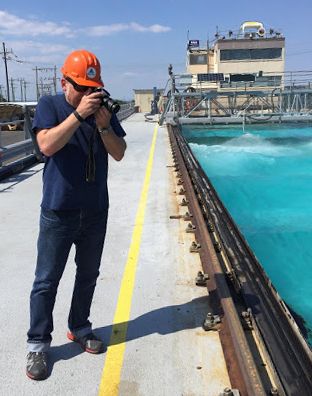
52, 140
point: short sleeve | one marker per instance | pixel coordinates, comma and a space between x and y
45, 114
118, 129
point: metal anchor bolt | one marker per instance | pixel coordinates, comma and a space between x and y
201, 279
217, 247
187, 216
180, 182
211, 322
195, 247
210, 226
247, 316
184, 202
182, 191
190, 228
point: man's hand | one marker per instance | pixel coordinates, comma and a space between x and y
102, 117
89, 104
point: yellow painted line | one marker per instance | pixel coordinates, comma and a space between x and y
110, 380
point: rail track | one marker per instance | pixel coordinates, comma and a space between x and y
263, 346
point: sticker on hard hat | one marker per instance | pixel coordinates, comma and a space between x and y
91, 72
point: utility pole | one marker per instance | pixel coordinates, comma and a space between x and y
4, 53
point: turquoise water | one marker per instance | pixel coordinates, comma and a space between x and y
264, 177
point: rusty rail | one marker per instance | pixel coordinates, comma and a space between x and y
263, 347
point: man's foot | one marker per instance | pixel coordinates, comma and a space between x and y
37, 365
89, 343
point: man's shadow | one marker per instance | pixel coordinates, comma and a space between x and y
166, 320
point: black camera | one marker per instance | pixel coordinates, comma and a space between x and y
107, 101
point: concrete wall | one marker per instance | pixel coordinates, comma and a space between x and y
143, 101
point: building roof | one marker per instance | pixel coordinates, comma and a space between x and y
148, 90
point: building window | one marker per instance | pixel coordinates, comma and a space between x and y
251, 54
198, 59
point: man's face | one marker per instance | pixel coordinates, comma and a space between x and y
72, 95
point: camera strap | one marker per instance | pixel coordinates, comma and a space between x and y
90, 166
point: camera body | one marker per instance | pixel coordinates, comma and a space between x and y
110, 104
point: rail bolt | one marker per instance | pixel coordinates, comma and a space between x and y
211, 322
217, 247
201, 279
184, 202
247, 316
195, 247
187, 216
190, 228
210, 226
182, 191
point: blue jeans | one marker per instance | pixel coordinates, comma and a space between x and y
59, 230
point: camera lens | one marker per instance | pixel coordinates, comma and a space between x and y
110, 104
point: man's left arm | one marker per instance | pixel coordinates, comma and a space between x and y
115, 145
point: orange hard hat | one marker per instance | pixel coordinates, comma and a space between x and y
84, 68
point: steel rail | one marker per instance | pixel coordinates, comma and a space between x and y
240, 362
286, 351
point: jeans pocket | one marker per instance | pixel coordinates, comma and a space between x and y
60, 218
49, 215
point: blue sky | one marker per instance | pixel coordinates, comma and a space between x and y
136, 40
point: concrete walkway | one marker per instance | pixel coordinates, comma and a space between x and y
166, 351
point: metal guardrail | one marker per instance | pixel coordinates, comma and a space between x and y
19, 154
185, 99
16, 149
126, 110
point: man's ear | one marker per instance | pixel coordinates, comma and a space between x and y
63, 84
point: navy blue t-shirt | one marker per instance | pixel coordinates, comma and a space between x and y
64, 175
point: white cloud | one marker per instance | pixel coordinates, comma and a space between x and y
153, 28
106, 30
34, 52
26, 46
14, 25
130, 74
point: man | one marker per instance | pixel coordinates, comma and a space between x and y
75, 132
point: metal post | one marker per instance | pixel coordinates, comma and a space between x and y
25, 91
